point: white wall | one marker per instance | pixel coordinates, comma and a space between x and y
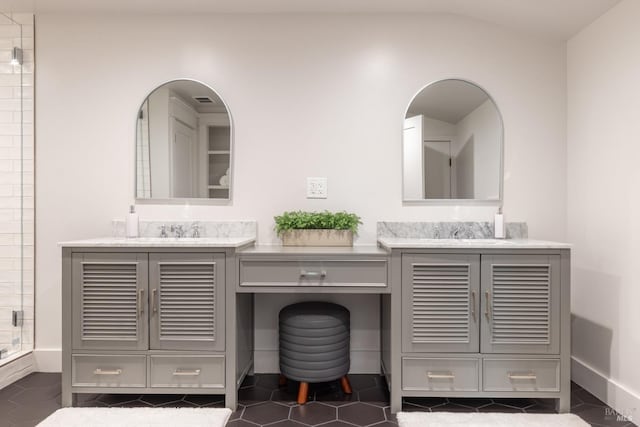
603, 75
321, 95
484, 125
464, 171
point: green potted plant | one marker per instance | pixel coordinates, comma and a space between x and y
299, 228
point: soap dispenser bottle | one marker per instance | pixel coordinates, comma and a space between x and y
498, 225
132, 222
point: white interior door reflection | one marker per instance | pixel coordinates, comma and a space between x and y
184, 150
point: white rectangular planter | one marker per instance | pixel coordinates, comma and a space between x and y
325, 237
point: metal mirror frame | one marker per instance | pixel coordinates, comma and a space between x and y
190, 200
432, 202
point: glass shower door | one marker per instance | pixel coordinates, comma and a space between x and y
16, 186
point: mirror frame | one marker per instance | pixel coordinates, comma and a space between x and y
190, 200
499, 200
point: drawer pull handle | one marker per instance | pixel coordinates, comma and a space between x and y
434, 376
313, 274
141, 301
186, 372
107, 371
527, 376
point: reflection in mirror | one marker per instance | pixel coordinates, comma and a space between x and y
183, 143
452, 144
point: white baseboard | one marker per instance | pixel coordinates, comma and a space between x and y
620, 398
362, 362
48, 359
16, 369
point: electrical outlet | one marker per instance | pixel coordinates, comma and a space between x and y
316, 188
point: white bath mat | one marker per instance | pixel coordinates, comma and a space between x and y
137, 417
489, 419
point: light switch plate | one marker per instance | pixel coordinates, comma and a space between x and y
316, 188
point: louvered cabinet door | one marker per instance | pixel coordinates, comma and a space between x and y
520, 304
440, 296
187, 301
109, 306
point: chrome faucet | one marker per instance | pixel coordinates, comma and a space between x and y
163, 231
195, 230
177, 230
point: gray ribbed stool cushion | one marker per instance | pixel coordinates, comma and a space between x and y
314, 341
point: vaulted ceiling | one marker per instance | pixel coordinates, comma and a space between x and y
555, 19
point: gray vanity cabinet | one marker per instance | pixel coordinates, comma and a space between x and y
187, 302
440, 303
145, 320
109, 301
479, 322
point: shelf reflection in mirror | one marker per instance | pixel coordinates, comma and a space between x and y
452, 144
184, 142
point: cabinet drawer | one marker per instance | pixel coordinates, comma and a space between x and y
440, 374
187, 371
521, 375
108, 371
372, 273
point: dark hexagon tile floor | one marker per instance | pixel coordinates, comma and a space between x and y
263, 402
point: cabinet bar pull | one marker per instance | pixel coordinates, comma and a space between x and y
107, 372
140, 301
186, 372
487, 310
313, 274
527, 376
434, 376
154, 306
473, 305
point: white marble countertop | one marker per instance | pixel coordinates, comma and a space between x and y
159, 242
413, 243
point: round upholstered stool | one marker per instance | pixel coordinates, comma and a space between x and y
314, 345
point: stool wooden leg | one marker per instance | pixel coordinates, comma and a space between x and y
282, 381
303, 392
346, 385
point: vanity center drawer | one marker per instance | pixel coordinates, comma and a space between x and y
322, 273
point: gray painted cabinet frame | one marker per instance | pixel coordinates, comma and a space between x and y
131, 274
479, 357
512, 358
521, 293
190, 315
109, 300
440, 302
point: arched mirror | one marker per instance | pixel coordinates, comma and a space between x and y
452, 144
184, 142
